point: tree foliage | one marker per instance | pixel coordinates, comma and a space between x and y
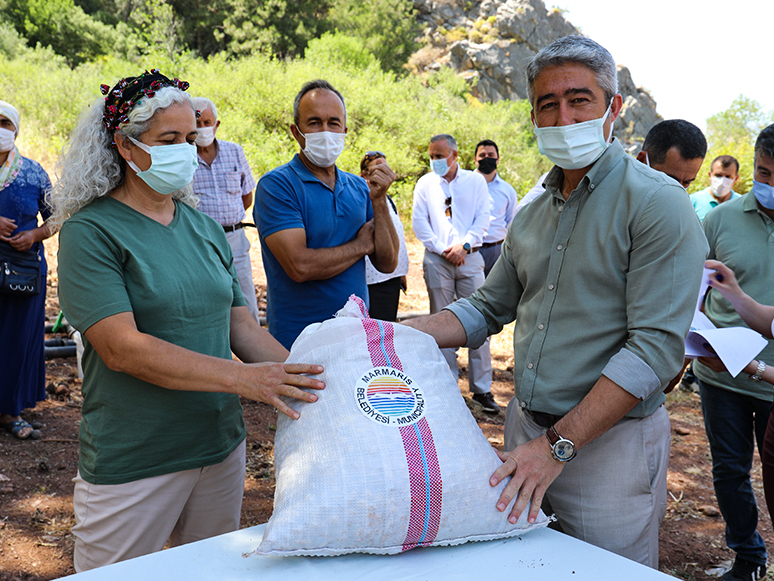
387, 28
733, 132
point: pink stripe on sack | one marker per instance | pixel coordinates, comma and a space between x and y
424, 471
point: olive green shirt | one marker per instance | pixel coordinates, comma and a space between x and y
741, 236
602, 284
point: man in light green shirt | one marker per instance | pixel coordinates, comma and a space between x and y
736, 409
600, 273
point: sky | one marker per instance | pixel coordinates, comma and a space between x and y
694, 57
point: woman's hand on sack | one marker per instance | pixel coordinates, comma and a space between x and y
22, 241
7, 226
532, 469
267, 382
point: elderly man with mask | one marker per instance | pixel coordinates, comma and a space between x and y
596, 339
318, 223
224, 184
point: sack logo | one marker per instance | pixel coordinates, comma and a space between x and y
389, 397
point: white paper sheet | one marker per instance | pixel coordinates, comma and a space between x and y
736, 346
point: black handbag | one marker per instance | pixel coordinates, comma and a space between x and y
19, 271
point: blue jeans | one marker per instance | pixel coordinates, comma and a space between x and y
734, 423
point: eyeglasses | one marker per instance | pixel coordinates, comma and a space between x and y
448, 207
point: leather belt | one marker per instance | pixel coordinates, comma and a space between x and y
543, 420
490, 244
237, 226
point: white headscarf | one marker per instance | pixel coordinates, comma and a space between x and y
9, 111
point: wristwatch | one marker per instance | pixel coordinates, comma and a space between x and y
466, 246
561, 448
758, 375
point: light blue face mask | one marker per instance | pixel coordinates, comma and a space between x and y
172, 166
440, 166
764, 193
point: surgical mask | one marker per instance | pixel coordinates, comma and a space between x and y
764, 193
574, 146
172, 166
324, 147
205, 136
7, 137
440, 166
487, 165
720, 186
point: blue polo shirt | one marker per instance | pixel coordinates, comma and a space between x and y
290, 196
704, 201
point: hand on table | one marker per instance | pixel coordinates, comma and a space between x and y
532, 469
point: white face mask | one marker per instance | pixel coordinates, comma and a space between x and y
575, 146
172, 166
205, 136
7, 138
324, 147
720, 186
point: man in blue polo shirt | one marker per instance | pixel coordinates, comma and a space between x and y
318, 223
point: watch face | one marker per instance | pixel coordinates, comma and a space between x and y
564, 450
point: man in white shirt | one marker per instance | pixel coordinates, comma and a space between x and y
502, 202
450, 217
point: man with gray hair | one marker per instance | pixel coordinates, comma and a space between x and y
318, 223
589, 272
450, 218
224, 184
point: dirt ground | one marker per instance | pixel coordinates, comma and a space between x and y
36, 489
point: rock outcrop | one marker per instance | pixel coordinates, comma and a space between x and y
489, 42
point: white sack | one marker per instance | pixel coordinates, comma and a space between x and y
389, 457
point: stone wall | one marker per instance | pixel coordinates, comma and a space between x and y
489, 43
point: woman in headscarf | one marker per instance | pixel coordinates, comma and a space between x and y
23, 185
150, 283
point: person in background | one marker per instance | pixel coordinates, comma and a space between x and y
675, 147
736, 409
224, 185
450, 218
150, 283
502, 201
595, 339
724, 173
760, 318
23, 185
318, 223
384, 288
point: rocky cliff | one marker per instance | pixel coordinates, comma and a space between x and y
489, 42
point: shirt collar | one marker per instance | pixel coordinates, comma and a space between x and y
598, 171
750, 204
307, 176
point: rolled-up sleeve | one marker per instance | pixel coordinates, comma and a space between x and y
665, 270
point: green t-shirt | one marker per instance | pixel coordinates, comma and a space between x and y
741, 236
180, 284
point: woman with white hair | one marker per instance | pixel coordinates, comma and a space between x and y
150, 283
23, 270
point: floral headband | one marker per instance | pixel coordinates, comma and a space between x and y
128, 92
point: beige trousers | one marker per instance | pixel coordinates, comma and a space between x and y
613, 494
115, 522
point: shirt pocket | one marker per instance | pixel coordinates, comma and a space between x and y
233, 184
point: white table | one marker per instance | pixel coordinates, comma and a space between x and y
543, 554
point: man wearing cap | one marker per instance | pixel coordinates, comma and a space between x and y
224, 183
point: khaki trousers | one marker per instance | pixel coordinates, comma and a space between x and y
115, 522
613, 494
